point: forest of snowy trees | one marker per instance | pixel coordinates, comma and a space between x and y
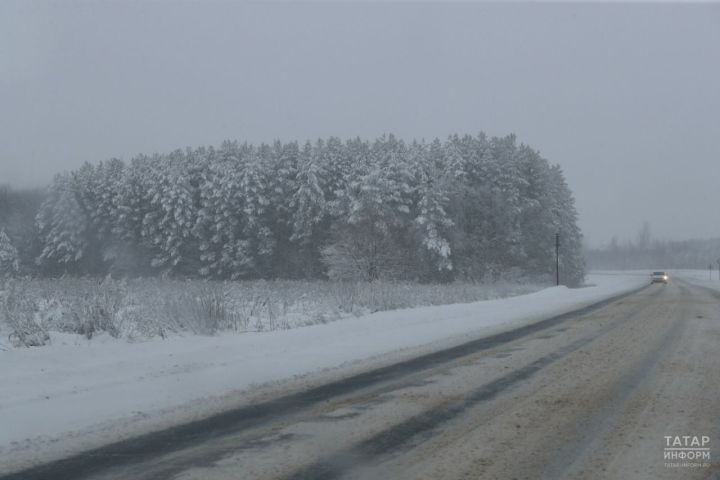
471, 208
648, 254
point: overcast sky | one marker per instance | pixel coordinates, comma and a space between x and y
625, 97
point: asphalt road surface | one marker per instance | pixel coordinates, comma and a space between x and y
598, 394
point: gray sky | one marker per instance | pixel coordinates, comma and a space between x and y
625, 97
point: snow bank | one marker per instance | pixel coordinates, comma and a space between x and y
92, 392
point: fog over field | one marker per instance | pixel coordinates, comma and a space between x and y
622, 96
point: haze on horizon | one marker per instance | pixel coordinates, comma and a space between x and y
623, 96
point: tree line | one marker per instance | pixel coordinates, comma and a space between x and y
469, 207
650, 254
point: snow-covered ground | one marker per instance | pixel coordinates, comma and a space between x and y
140, 308
86, 393
698, 277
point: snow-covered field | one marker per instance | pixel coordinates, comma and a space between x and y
698, 277
75, 393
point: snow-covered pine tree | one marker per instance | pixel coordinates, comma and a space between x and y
306, 215
432, 179
9, 260
468, 208
129, 252
281, 162
98, 190
308, 201
109, 184
63, 225
340, 162
537, 220
572, 263
208, 187
18, 209
493, 197
225, 253
373, 218
257, 244
168, 224
507, 204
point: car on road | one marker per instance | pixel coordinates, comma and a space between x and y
660, 277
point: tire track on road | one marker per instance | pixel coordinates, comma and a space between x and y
411, 432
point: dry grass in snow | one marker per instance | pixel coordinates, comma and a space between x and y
143, 308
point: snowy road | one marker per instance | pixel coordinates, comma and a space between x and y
588, 396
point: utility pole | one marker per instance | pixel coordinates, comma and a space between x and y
557, 259
718, 262
710, 270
